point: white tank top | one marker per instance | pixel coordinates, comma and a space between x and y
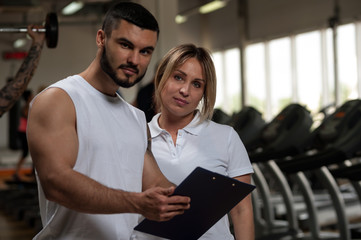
112, 143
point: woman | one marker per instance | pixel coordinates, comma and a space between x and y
184, 137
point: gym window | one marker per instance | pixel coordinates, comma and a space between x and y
297, 68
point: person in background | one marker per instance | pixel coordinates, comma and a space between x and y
13, 89
184, 137
90, 148
27, 97
145, 100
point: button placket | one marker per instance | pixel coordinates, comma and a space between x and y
171, 145
180, 140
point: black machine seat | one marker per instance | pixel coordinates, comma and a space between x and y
248, 123
285, 135
221, 117
340, 137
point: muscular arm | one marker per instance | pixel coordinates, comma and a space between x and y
11, 92
152, 175
53, 145
242, 215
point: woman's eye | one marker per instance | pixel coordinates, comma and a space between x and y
177, 77
197, 84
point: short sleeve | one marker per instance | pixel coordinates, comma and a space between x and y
239, 163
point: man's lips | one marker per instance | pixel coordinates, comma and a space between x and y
129, 70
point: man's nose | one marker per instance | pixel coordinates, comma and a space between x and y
133, 57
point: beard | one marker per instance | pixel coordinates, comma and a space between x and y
125, 83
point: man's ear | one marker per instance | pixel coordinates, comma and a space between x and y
100, 39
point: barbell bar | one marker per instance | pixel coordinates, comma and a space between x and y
50, 29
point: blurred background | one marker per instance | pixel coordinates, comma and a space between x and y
284, 68
268, 53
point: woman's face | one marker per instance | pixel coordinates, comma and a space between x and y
183, 90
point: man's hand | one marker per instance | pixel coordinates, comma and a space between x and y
37, 37
158, 205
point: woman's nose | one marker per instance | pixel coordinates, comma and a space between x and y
184, 90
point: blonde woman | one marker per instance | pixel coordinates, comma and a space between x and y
184, 137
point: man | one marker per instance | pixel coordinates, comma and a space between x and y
13, 89
90, 148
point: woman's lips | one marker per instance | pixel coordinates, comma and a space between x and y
181, 101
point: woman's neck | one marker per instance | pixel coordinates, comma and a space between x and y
172, 123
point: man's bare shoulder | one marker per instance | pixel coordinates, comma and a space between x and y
53, 101
52, 95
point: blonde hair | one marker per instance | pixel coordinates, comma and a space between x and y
175, 58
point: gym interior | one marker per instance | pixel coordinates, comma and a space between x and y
289, 83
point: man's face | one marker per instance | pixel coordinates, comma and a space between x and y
127, 53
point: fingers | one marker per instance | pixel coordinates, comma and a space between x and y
162, 206
33, 26
176, 202
169, 215
38, 37
168, 191
177, 199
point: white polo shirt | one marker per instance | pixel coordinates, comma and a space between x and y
209, 145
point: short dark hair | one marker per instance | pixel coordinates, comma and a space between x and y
131, 12
26, 94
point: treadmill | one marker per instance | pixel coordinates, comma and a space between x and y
286, 135
335, 141
248, 123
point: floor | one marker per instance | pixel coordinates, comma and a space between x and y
12, 228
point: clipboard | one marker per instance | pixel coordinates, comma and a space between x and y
212, 196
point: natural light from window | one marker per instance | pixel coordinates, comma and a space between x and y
227, 64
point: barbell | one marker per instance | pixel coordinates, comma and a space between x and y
50, 29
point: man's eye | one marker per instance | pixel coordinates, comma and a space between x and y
124, 45
146, 52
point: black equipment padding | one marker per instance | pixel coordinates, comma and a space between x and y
338, 138
352, 172
285, 135
248, 123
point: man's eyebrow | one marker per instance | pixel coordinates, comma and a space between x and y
125, 40
150, 48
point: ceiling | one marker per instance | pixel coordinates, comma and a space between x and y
23, 12
15, 12
20, 13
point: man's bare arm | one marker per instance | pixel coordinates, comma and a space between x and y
13, 89
152, 175
53, 145
153, 179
